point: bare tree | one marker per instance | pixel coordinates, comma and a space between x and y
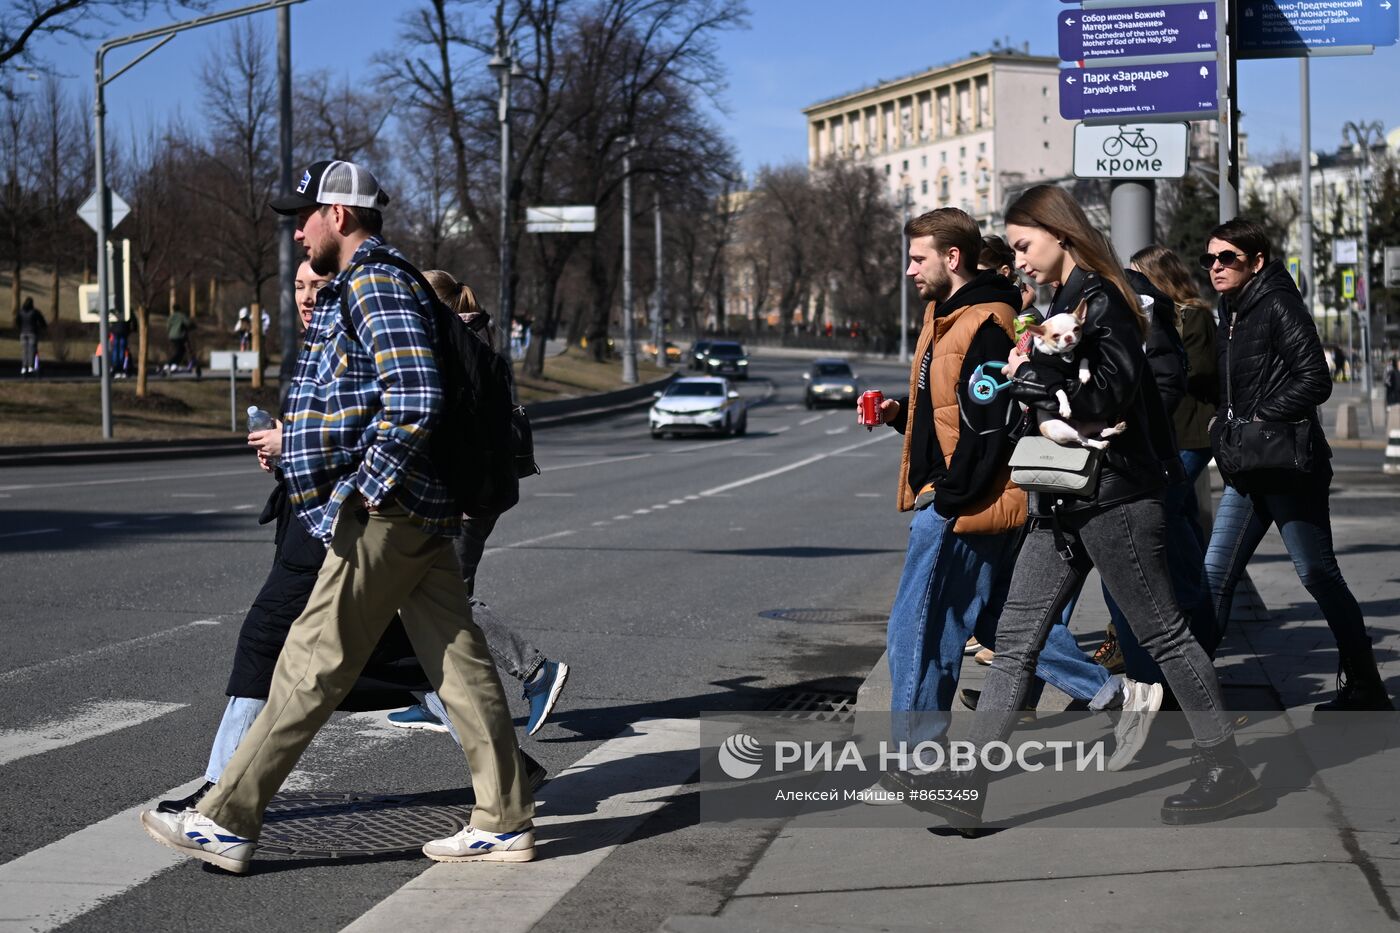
62, 172
156, 177
20, 207
339, 120
240, 96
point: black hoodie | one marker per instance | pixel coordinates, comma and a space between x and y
984, 443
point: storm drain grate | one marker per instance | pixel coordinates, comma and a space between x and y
837, 616
338, 825
815, 707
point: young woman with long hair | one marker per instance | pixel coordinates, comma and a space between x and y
1118, 528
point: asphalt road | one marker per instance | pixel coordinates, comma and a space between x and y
647, 565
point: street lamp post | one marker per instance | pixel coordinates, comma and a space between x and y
162, 34
659, 324
1365, 135
505, 66
629, 341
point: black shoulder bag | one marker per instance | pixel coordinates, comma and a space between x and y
1244, 446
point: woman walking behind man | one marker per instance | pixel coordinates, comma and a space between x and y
1273, 369
1119, 528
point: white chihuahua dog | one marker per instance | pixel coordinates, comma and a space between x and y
1060, 336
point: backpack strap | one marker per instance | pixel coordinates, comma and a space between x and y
383, 256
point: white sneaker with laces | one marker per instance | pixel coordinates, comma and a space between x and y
1140, 705
194, 834
477, 845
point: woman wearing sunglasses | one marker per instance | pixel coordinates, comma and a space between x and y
1272, 370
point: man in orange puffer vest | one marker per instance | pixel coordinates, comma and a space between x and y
953, 473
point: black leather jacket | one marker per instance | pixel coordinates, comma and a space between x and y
1142, 460
1272, 368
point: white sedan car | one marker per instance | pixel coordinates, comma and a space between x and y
699, 405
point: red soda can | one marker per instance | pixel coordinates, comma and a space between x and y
870, 407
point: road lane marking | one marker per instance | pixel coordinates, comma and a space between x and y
192, 495
786, 427
107, 524
49, 887
841, 430
797, 465
589, 463
708, 445
43, 667
810, 420
676, 502
586, 812
36, 531
869, 495
134, 479
88, 722
554, 495
529, 541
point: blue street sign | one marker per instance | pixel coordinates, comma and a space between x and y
1186, 89
1119, 32
1290, 28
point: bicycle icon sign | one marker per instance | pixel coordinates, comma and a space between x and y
1145, 145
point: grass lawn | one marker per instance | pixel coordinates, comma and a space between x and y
43, 412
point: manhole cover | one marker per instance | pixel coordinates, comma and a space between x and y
815, 707
827, 615
338, 825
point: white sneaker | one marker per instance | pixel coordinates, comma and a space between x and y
1140, 705
477, 845
194, 834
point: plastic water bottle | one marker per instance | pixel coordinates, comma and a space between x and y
258, 420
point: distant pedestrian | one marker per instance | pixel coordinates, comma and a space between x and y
118, 340
32, 327
359, 476
243, 329
1272, 369
179, 329
1392, 383
999, 258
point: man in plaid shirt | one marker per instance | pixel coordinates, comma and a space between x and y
361, 411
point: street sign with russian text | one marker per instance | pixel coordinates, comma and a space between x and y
1392, 267
1294, 28
1344, 252
1144, 150
1119, 32
1186, 89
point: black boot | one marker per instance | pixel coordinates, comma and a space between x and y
1359, 686
958, 797
1223, 788
185, 803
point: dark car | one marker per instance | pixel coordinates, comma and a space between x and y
830, 382
697, 353
726, 358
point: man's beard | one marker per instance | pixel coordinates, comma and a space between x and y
937, 290
324, 261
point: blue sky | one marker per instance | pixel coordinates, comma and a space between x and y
796, 52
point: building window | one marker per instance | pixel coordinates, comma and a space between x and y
962, 152
943, 187
962, 178
887, 170
923, 186
943, 157
982, 147
923, 161
904, 167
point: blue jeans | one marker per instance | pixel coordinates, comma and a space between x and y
951, 585
1305, 524
238, 718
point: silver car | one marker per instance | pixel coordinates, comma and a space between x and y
830, 382
699, 405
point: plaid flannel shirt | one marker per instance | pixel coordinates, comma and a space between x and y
362, 406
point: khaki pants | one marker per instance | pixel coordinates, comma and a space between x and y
378, 563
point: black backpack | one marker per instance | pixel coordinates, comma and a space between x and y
482, 444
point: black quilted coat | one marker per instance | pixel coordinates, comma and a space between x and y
1272, 369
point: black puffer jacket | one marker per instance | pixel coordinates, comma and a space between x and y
1142, 460
1272, 369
